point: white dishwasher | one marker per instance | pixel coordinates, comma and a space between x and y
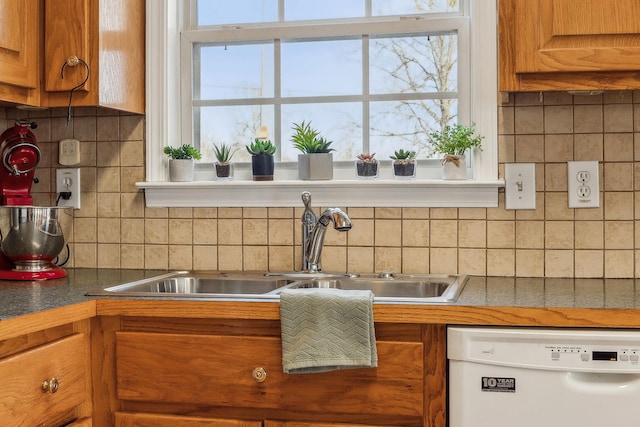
507, 377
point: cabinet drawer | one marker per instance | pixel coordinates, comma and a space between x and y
22, 398
123, 419
218, 371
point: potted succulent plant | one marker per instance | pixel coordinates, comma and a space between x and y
404, 163
366, 165
453, 142
262, 161
316, 160
181, 162
223, 153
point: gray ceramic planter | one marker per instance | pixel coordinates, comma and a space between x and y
181, 170
315, 166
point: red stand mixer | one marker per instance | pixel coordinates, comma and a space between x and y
35, 237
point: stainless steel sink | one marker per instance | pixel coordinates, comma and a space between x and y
404, 288
199, 285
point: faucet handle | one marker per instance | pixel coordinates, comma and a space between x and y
306, 199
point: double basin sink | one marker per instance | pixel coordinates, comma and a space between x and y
386, 287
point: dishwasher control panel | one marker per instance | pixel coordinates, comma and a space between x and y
555, 349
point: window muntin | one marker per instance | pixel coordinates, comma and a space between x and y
377, 92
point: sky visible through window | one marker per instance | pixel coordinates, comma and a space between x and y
411, 79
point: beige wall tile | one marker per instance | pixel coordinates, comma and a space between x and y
588, 147
360, 260
156, 257
132, 153
388, 232
415, 213
618, 177
618, 235
230, 258
472, 234
558, 148
589, 235
156, 231
256, 258
501, 262
388, 259
362, 233
472, 261
334, 258
205, 231
555, 177
388, 213
108, 154
415, 233
618, 147
529, 263
109, 230
180, 257
255, 232
443, 233
205, 257
618, 206
558, 119
108, 255
85, 230
558, 235
618, 118
132, 230
443, 213
355, 213
230, 231
443, 260
230, 213
558, 263
131, 256
180, 231
500, 234
181, 213
415, 260
281, 232
85, 255
588, 118
281, 258
530, 234
556, 207
529, 120
619, 263
589, 263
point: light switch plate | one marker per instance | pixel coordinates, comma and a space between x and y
583, 184
520, 185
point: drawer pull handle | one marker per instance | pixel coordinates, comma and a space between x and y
259, 375
51, 385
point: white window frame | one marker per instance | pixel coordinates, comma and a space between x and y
163, 128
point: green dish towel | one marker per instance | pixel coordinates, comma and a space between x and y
327, 329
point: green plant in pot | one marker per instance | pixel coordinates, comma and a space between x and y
262, 161
453, 141
223, 153
404, 163
316, 160
366, 165
181, 161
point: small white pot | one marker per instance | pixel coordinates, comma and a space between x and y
181, 170
454, 167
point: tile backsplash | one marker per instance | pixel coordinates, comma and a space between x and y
114, 229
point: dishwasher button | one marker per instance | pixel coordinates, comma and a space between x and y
555, 355
624, 357
584, 357
634, 357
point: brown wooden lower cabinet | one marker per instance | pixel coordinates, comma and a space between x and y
46, 384
199, 372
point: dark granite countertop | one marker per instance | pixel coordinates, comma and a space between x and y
21, 298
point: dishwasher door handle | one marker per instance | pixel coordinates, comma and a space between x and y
603, 383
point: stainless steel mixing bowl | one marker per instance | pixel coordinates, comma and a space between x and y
35, 237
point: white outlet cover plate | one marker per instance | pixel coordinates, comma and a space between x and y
68, 179
583, 184
520, 185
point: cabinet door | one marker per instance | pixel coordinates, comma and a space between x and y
19, 30
155, 420
233, 371
22, 398
66, 34
270, 423
576, 35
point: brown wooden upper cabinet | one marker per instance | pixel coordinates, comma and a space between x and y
569, 44
19, 35
107, 35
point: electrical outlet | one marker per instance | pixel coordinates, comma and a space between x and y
69, 153
68, 180
584, 188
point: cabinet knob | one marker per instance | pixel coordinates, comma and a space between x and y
50, 385
259, 374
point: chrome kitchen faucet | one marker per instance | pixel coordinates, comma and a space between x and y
314, 229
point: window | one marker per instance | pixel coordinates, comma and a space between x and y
371, 75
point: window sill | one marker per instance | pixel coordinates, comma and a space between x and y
342, 193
